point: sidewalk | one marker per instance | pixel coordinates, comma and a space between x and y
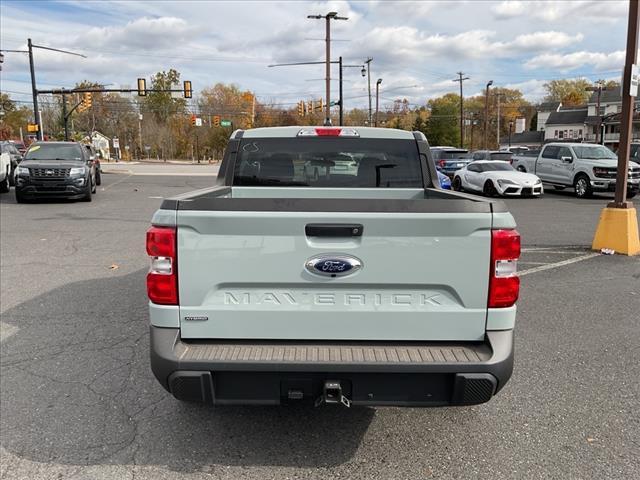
170, 168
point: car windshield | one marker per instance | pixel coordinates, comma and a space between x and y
594, 152
328, 163
494, 167
54, 151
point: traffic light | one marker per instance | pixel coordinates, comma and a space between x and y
310, 107
188, 92
319, 106
301, 109
193, 120
142, 87
216, 120
87, 100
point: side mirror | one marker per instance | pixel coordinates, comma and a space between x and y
567, 159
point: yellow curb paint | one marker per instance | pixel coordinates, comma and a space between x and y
618, 230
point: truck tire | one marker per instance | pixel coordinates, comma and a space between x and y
98, 177
456, 184
631, 193
521, 169
582, 186
489, 189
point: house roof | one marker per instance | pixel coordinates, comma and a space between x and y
607, 96
567, 117
524, 138
549, 106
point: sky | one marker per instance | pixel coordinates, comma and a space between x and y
417, 47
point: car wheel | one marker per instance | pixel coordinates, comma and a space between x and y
12, 177
559, 187
98, 178
20, 198
631, 193
489, 189
87, 197
4, 185
456, 184
93, 186
521, 169
582, 187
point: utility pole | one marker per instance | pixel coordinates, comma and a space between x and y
628, 100
64, 116
34, 90
486, 115
377, 98
368, 62
461, 79
328, 17
618, 225
341, 118
498, 96
598, 88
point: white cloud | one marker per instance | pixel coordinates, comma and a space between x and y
570, 61
562, 10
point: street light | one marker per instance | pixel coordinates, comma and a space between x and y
486, 115
368, 62
377, 98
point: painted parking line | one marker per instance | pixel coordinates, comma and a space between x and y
563, 263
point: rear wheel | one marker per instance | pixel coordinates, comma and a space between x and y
20, 198
456, 184
98, 177
93, 186
631, 193
489, 189
521, 169
582, 186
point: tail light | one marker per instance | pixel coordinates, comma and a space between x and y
162, 279
328, 132
442, 163
504, 283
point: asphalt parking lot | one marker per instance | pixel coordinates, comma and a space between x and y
78, 400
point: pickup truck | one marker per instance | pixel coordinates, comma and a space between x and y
367, 285
585, 167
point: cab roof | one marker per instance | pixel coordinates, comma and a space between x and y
292, 132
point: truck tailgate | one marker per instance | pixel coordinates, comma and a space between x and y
424, 276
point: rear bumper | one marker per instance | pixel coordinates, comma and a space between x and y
371, 373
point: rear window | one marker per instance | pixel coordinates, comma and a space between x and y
502, 156
449, 154
328, 163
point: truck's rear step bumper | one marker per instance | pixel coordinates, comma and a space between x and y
375, 373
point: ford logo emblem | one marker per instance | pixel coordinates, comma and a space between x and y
333, 265
48, 172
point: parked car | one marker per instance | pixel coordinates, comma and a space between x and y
15, 157
492, 155
5, 171
585, 167
449, 159
20, 145
496, 177
95, 156
56, 169
445, 182
293, 290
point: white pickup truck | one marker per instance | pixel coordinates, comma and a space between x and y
586, 167
303, 276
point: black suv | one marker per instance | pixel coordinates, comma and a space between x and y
56, 170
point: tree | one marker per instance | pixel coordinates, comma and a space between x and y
569, 92
162, 104
13, 118
443, 124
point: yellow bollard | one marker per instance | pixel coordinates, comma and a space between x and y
618, 230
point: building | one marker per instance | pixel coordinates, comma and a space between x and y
544, 110
530, 139
566, 124
610, 116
